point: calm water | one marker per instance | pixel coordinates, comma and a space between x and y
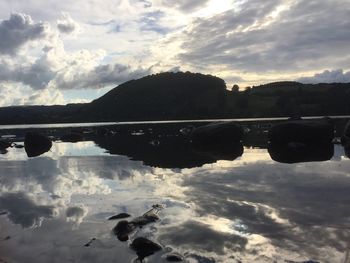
217, 206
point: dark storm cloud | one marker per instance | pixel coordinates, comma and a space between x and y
100, 76
17, 31
185, 5
36, 75
39, 74
308, 34
22, 210
333, 76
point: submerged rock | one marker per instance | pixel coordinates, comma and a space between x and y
119, 216
173, 257
303, 131
4, 145
217, 133
145, 219
36, 144
123, 229
90, 242
144, 247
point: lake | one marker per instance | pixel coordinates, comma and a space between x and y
241, 203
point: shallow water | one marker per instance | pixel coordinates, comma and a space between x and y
250, 209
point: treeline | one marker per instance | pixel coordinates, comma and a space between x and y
171, 96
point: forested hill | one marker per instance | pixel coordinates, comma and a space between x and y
170, 96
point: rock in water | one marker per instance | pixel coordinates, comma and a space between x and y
173, 257
4, 145
123, 229
36, 144
119, 216
303, 131
345, 139
298, 152
144, 247
217, 133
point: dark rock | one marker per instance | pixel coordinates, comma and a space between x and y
36, 144
3, 151
123, 229
345, 139
173, 257
119, 216
300, 152
90, 242
347, 129
303, 131
143, 220
217, 133
18, 146
4, 145
144, 247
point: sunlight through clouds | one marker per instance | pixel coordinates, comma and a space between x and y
90, 45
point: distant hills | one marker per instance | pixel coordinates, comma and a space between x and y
171, 96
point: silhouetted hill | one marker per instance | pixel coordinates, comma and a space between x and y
167, 96
38, 114
162, 96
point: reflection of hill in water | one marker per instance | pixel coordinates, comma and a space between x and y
168, 151
168, 145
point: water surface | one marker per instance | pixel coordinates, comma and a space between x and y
237, 206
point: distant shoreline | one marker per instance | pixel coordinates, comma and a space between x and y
96, 124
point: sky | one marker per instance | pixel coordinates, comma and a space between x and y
58, 52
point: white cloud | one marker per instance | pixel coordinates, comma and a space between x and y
53, 67
16, 94
67, 25
185, 5
332, 76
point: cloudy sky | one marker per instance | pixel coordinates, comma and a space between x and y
56, 52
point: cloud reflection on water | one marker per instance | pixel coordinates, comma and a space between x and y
251, 209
